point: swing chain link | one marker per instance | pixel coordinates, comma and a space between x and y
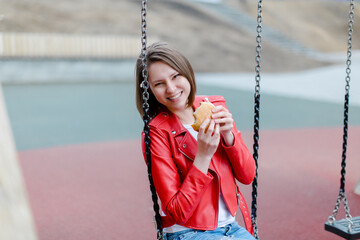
350, 32
258, 48
332, 218
347, 212
346, 114
256, 118
145, 85
346, 108
255, 227
342, 195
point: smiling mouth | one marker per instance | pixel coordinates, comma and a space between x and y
175, 97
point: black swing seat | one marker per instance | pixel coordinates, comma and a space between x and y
340, 227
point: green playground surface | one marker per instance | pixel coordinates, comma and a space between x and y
47, 115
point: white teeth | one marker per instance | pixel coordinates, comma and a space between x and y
176, 96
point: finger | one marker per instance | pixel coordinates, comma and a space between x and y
217, 131
211, 127
216, 135
218, 109
224, 121
203, 126
221, 114
225, 128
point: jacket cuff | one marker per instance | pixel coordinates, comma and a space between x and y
196, 180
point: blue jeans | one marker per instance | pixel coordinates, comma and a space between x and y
231, 231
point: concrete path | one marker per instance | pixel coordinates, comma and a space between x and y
324, 84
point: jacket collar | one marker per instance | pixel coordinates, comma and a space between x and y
185, 142
176, 125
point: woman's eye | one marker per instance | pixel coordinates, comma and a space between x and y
157, 84
176, 75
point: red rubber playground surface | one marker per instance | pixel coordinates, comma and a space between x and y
100, 190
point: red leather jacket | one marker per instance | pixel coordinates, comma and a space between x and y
188, 196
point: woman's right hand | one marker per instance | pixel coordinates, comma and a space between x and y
207, 143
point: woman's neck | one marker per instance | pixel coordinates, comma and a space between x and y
186, 116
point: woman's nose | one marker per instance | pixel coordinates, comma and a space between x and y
171, 87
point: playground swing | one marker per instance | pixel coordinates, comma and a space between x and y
348, 228
146, 119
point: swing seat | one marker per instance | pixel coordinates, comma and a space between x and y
340, 227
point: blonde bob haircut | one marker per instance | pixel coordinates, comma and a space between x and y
161, 51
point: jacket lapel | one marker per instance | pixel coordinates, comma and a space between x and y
186, 143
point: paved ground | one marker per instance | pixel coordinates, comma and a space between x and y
100, 190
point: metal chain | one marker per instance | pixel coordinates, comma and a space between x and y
145, 74
256, 118
342, 195
332, 217
347, 213
146, 118
346, 102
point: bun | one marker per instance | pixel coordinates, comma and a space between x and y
203, 112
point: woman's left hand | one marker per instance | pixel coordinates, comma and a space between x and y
224, 118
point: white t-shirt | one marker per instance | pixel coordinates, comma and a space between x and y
224, 215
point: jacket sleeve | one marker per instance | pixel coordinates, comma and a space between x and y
241, 160
178, 199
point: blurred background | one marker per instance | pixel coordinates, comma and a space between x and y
67, 75
67, 68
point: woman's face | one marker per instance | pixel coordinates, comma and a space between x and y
169, 87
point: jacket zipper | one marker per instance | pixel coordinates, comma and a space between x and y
217, 213
185, 155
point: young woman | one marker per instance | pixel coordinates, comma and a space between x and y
194, 173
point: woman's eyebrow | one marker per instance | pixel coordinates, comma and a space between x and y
156, 81
174, 73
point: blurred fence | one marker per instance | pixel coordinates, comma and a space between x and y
54, 45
